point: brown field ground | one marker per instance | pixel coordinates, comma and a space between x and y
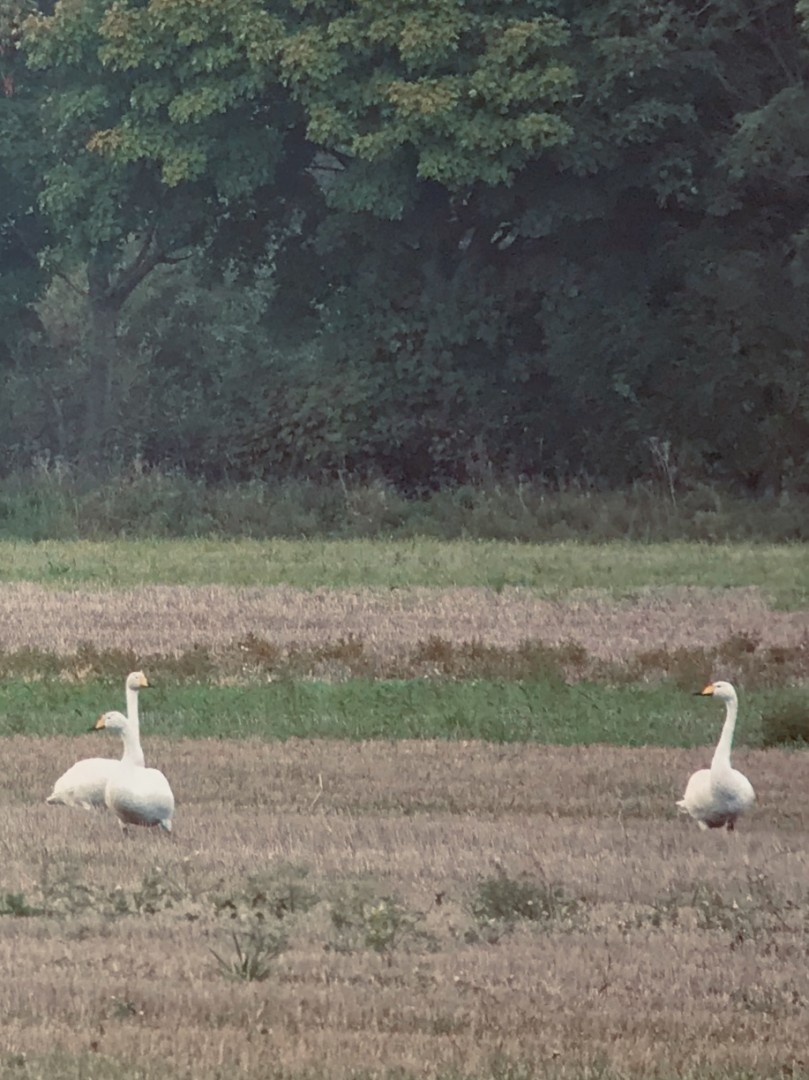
659, 950
438, 910
169, 620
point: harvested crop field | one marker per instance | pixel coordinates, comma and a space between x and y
441, 910
169, 620
403, 907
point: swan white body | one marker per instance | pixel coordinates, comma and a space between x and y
85, 782
716, 797
137, 795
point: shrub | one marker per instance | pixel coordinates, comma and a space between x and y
503, 900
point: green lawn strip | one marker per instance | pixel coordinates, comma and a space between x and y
497, 711
781, 570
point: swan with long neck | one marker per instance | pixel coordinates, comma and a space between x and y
717, 796
137, 795
84, 783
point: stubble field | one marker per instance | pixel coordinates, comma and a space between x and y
395, 907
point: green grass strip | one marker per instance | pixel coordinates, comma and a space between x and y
782, 570
495, 711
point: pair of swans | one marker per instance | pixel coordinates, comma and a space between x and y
716, 797
137, 795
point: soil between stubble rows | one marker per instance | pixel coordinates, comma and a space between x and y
687, 952
168, 620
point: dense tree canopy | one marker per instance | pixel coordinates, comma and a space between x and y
421, 239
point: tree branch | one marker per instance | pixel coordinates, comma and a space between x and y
33, 256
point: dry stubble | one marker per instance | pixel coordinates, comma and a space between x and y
167, 620
683, 951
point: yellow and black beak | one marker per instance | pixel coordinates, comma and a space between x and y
100, 723
705, 692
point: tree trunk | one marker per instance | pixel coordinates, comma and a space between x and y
100, 407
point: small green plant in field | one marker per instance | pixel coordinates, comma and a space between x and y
500, 901
275, 895
378, 923
124, 1009
15, 904
157, 892
255, 950
386, 925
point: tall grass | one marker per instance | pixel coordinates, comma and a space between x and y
53, 501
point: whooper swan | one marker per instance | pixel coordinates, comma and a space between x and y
139, 796
83, 784
717, 796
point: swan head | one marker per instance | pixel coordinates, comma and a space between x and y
112, 721
137, 681
719, 689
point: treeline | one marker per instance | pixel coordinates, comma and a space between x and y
419, 242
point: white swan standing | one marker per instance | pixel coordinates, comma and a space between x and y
83, 784
717, 796
139, 796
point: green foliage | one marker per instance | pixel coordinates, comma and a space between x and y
53, 501
426, 243
476, 96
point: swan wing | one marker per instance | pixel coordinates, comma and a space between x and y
83, 784
733, 791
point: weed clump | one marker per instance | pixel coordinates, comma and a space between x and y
499, 902
255, 950
276, 895
381, 924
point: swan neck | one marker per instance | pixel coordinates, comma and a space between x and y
721, 755
133, 754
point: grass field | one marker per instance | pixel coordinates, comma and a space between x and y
425, 821
497, 711
781, 570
